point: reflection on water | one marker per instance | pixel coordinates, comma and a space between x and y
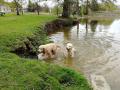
98, 48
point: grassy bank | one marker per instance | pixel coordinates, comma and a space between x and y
13, 28
24, 74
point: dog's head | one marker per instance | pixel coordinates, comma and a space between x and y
69, 46
41, 49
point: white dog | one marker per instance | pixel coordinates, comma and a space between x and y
47, 51
70, 49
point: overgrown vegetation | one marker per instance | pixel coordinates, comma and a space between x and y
107, 6
28, 74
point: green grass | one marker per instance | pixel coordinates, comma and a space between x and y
28, 74
22, 24
25, 74
13, 28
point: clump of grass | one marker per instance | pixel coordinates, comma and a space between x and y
29, 45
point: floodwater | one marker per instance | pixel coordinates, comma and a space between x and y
98, 48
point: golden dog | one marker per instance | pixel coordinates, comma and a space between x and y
48, 50
70, 49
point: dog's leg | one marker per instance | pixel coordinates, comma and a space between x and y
72, 54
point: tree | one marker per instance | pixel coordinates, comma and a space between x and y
66, 9
37, 8
81, 7
87, 11
46, 8
58, 6
71, 6
22, 3
93, 5
31, 6
17, 6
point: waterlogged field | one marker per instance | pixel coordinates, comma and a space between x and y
28, 74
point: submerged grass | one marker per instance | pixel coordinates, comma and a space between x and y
28, 74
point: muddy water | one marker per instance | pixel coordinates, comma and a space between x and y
98, 48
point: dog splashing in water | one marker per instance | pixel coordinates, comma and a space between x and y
48, 51
70, 49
